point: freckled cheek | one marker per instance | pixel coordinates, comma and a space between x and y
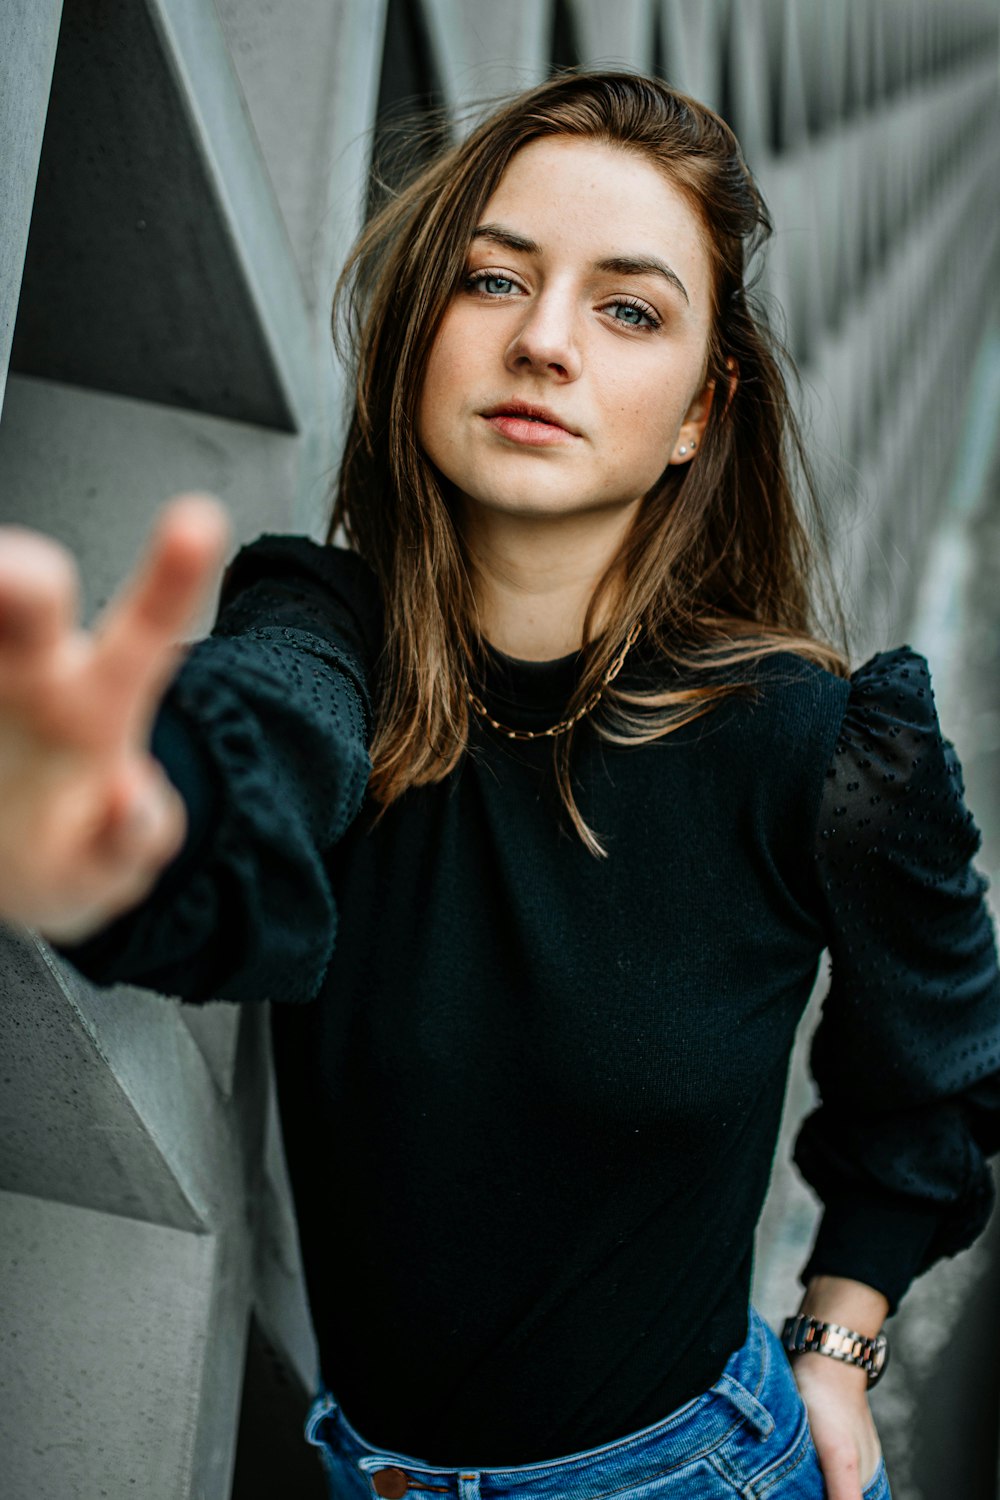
643, 430
450, 378
445, 385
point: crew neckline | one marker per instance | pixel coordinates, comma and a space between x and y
527, 694
531, 662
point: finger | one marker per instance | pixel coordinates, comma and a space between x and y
151, 829
136, 636
115, 864
129, 883
39, 592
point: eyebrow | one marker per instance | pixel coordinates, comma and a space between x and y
619, 265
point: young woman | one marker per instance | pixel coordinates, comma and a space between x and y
533, 813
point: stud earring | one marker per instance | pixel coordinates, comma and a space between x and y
693, 445
682, 451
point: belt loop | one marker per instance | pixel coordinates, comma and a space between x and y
468, 1486
323, 1405
757, 1415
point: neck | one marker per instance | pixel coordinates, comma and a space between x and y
534, 576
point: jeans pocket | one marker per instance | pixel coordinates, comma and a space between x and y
795, 1474
877, 1487
786, 1464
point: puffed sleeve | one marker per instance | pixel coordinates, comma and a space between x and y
906, 1055
264, 731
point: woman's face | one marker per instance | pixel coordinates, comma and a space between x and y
587, 293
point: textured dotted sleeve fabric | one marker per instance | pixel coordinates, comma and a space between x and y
265, 732
906, 1056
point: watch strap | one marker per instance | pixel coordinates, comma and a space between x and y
803, 1334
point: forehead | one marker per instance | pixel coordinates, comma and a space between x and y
596, 201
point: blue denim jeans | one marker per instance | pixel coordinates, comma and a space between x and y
746, 1437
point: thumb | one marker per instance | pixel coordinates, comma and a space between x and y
146, 815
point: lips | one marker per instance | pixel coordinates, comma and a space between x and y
527, 411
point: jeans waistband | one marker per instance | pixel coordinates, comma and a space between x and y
736, 1398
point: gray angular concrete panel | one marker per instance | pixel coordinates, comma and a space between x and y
749, 102
207, 1137
312, 116
71, 1131
486, 50
28, 33
693, 43
93, 469
101, 1385
614, 36
216, 1030
311, 89
157, 264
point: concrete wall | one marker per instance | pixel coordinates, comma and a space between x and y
191, 175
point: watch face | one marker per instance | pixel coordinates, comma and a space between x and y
880, 1358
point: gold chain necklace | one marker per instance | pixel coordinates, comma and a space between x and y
480, 708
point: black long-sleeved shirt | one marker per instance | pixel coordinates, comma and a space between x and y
530, 1098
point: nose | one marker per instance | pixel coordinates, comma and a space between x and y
546, 338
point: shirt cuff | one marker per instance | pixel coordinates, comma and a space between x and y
870, 1236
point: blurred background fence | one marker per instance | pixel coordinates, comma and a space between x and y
179, 183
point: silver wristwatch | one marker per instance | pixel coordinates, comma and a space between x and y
802, 1334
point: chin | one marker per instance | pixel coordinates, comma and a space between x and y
518, 503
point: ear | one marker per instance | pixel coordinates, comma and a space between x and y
692, 429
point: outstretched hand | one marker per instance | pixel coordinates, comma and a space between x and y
88, 819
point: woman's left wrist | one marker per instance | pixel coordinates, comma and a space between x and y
839, 1321
852, 1304
814, 1373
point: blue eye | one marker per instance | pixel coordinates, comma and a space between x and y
488, 285
632, 314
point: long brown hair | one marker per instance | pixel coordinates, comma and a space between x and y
718, 566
